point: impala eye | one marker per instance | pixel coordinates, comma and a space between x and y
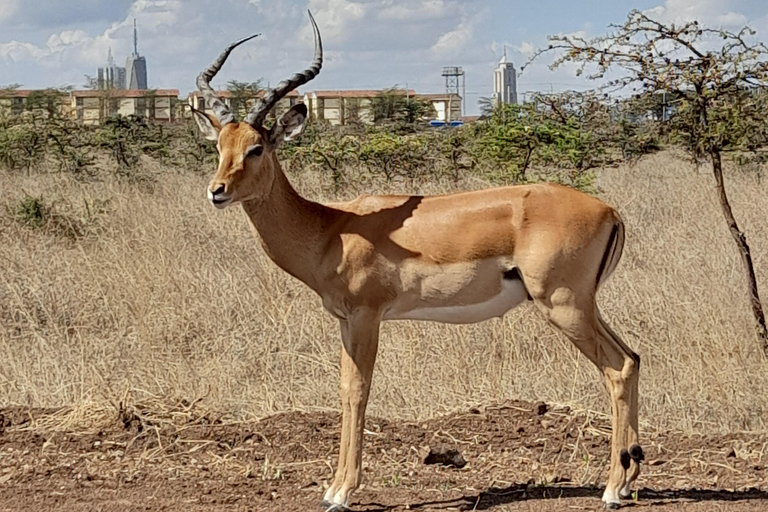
255, 150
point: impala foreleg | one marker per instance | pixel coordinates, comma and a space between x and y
360, 336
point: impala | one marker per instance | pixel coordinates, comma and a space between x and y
457, 258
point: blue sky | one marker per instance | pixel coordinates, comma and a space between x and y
369, 43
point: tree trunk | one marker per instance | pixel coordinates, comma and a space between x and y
741, 242
527, 162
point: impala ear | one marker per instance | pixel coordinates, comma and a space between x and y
209, 126
290, 125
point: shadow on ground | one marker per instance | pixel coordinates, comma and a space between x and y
494, 497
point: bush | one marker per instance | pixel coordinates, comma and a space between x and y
32, 211
557, 137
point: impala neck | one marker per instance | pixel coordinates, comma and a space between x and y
293, 230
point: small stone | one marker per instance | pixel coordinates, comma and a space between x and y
446, 457
730, 453
547, 423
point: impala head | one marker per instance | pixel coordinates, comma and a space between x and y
246, 149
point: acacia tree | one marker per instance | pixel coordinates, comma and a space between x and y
716, 75
568, 130
394, 105
243, 94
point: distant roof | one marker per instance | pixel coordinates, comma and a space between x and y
124, 93
228, 94
359, 93
23, 93
439, 96
91, 93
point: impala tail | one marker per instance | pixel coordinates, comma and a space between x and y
613, 251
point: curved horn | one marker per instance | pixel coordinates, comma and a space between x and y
262, 107
220, 109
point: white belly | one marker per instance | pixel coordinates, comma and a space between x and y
512, 293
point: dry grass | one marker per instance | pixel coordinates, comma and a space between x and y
157, 296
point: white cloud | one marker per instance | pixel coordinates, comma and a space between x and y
416, 10
8, 8
732, 19
454, 40
17, 51
716, 13
526, 48
367, 43
66, 38
58, 13
335, 16
655, 12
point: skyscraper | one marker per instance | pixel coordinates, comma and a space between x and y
505, 81
136, 66
111, 76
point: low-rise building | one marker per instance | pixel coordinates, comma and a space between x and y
447, 105
93, 106
195, 100
37, 101
337, 107
340, 107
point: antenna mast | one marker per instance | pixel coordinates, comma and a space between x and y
454, 85
135, 39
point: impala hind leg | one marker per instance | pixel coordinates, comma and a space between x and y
627, 384
581, 323
360, 336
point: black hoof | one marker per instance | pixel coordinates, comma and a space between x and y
612, 505
330, 507
636, 453
624, 458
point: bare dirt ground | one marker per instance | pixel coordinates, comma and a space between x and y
519, 456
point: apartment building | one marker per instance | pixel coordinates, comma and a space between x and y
93, 106
38, 101
337, 107
195, 100
340, 107
447, 106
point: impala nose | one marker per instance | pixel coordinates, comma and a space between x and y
218, 197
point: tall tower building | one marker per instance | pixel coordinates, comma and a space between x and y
111, 76
135, 66
505, 81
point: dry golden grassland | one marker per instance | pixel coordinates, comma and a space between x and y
143, 292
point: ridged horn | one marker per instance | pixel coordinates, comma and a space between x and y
220, 109
259, 112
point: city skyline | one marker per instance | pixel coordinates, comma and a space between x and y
55, 45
